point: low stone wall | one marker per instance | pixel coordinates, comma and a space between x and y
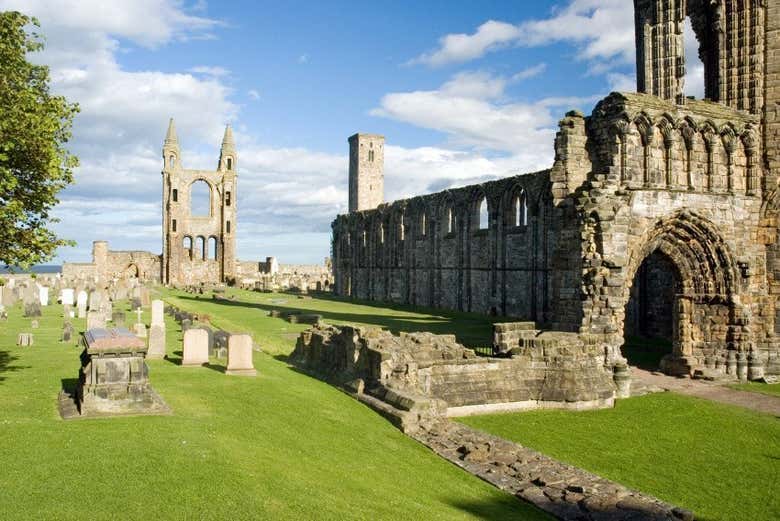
549, 370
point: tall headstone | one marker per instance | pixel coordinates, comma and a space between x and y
195, 347
67, 332
43, 295
146, 298
81, 303
158, 313
95, 299
240, 356
140, 330
156, 341
66, 297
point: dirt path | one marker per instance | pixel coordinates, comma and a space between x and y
709, 391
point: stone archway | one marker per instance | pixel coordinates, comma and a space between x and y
651, 323
697, 291
131, 272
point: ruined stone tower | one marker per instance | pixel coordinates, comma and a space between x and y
366, 171
199, 243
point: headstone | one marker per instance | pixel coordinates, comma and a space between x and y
113, 378
67, 332
195, 347
240, 356
221, 343
146, 299
43, 295
135, 303
118, 318
140, 330
81, 303
95, 320
34, 324
186, 323
158, 317
32, 309
156, 341
24, 339
30, 295
66, 297
95, 299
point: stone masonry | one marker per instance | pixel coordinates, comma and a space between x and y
650, 182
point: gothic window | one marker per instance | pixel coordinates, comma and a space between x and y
382, 233
450, 226
227, 227
200, 198
227, 198
483, 217
175, 195
173, 225
365, 239
520, 210
423, 225
230, 163
401, 229
200, 248
371, 156
171, 161
212, 249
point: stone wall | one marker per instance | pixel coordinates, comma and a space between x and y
108, 266
544, 369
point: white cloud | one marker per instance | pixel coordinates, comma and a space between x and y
454, 48
254, 94
466, 109
210, 70
621, 82
694, 68
603, 29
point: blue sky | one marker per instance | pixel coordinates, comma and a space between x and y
463, 91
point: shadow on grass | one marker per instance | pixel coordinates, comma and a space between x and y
215, 367
6, 364
470, 330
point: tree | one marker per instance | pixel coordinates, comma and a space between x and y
34, 163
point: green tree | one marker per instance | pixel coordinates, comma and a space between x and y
34, 163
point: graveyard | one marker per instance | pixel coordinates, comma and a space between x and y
234, 442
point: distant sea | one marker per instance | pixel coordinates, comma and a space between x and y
39, 268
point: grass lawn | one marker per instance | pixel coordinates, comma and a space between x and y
722, 462
756, 387
279, 446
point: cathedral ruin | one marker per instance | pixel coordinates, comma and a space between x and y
658, 217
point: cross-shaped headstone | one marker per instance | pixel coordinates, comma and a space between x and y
138, 312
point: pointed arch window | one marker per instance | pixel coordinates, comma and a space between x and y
450, 221
229, 163
171, 161
483, 218
175, 195
520, 210
423, 225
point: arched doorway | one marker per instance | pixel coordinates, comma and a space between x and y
651, 318
681, 298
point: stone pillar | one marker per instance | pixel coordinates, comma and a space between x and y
240, 356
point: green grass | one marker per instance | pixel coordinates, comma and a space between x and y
756, 387
278, 337
279, 446
722, 462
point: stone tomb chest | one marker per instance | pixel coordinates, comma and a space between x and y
113, 378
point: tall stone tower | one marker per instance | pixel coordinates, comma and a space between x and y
366, 171
199, 242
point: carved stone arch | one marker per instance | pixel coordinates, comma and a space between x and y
706, 271
446, 212
645, 127
479, 196
516, 206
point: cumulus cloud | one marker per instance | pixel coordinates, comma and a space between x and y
602, 29
468, 108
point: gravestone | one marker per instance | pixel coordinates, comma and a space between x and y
156, 341
9, 296
113, 378
186, 323
146, 299
67, 332
30, 294
195, 348
135, 303
24, 339
81, 303
118, 318
240, 356
66, 297
34, 324
95, 299
32, 309
95, 320
140, 330
221, 343
43, 295
4, 315
158, 317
